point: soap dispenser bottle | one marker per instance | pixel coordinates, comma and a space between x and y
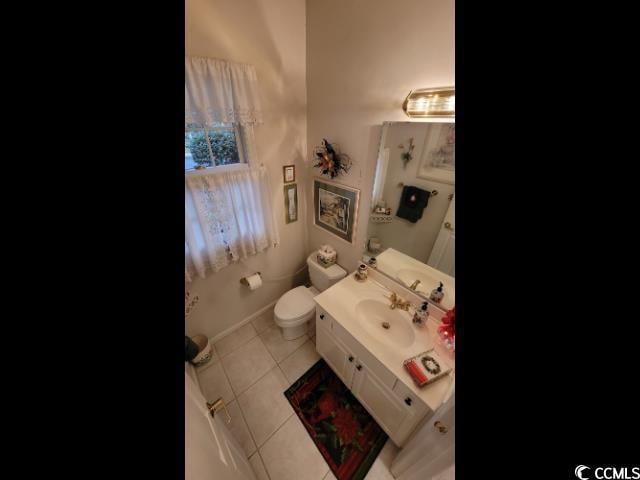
420, 317
437, 294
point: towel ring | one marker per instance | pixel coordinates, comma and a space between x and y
432, 192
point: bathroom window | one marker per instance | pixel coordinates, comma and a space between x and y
228, 212
211, 146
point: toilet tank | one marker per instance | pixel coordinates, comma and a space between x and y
322, 278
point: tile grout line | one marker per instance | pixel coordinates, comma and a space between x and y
246, 424
285, 377
240, 406
276, 430
264, 465
243, 416
267, 348
308, 338
242, 344
252, 384
235, 399
236, 395
293, 414
277, 364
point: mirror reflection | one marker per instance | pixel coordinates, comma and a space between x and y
411, 228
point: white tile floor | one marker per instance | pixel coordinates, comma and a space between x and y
251, 369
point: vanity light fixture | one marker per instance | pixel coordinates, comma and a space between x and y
431, 102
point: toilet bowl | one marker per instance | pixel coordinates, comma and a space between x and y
296, 308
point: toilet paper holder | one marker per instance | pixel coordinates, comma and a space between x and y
244, 281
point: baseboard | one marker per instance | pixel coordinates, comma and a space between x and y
243, 322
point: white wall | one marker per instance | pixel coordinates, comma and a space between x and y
363, 58
271, 36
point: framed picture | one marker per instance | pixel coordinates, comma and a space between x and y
291, 202
438, 153
336, 208
289, 173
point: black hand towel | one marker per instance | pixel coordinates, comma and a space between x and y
413, 202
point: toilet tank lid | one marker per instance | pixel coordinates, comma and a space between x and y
334, 272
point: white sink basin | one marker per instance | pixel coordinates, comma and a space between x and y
426, 285
372, 314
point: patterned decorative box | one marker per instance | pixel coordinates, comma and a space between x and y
326, 262
327, 256
427, 367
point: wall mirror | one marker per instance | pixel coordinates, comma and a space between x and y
411, 227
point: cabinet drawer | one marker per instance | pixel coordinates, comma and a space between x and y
409, 399
387, 378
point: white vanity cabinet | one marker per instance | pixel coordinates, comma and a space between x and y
394, 406
336, 354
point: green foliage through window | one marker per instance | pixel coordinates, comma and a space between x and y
221, 141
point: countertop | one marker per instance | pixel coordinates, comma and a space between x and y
391, 261
340, 302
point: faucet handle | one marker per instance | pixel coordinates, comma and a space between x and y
393, 298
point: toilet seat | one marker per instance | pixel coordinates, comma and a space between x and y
295, 307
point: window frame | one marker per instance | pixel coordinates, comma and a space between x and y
217, 168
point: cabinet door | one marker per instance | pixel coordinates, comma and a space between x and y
336, 354
379, 400
323, 320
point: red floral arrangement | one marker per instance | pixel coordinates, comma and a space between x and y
447, 328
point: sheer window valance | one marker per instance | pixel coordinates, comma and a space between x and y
217, 91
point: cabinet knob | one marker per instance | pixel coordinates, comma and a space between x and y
408, 400
359, 367
351, 358
322, 316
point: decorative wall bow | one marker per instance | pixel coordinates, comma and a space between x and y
330, 161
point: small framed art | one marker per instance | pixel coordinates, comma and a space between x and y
289, 173
291, 202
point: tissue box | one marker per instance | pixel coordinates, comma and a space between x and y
325, 261
326, 256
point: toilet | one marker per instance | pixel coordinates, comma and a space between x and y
296, 307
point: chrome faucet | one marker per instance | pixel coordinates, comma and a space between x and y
414, 285
398, 302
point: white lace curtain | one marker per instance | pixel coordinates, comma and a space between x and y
228, 216
228, 213
219, 91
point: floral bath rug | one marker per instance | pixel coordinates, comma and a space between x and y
348, 437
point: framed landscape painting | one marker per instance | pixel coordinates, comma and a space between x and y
438, 154
336, 208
